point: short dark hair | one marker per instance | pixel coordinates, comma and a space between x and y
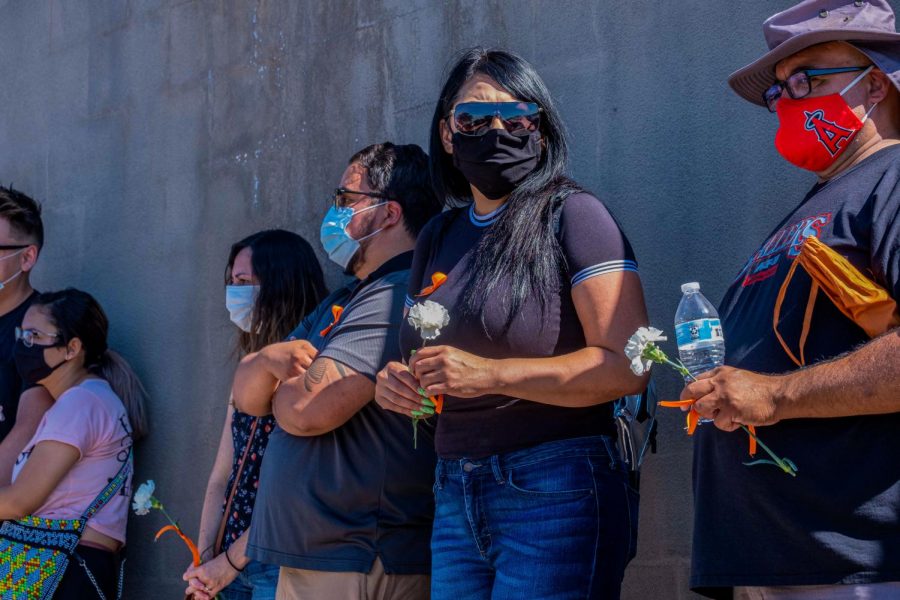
23, 214
401, 173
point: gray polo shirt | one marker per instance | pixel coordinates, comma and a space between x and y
334, 502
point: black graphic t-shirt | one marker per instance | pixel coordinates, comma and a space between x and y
592, 245
838, 521
11, 386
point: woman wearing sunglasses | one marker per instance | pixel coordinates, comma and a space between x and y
272, 280
80, 455
542, 290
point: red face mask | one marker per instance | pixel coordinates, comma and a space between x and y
814, 132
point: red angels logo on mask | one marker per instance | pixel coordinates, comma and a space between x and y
830, 134
799, 118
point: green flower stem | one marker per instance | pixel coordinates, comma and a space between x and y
159, 505
679, 366
416, 420
785, 464
426, 410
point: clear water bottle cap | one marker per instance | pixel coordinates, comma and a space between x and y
692, 286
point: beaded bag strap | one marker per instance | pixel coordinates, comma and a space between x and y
112, 488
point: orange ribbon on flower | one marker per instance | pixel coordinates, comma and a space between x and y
336, 312
438, 403
693, 417
187, 541
437, 280
752, 429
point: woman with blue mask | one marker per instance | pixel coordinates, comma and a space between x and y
272, 281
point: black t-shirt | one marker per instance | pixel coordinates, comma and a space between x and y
592, 244
333, 502
838, 521
11, 385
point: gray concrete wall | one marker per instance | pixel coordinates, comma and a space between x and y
158, 132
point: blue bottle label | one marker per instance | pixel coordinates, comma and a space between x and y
700, 330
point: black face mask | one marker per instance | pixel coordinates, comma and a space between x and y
496, 162
31, 365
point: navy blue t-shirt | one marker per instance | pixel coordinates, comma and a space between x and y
838, 521
592, 245
333, 502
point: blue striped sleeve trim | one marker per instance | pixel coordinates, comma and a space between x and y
603, 268
409, 302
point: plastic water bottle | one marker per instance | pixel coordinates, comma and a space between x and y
698, 331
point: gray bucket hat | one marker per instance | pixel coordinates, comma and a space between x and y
867, 25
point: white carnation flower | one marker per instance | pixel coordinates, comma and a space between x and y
428, 317
638, 343
143, 498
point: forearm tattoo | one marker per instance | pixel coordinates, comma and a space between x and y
314, 374
319, 369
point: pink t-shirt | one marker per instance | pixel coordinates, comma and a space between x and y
92, 418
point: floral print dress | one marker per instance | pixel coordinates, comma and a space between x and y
238, 518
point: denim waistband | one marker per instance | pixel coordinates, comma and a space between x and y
597, 445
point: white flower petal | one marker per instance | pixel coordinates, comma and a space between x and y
143, 498
428, 318
637, 367
637, 343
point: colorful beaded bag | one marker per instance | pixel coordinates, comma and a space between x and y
34, 552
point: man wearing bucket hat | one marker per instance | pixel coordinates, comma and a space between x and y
832, 76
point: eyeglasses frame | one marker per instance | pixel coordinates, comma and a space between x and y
341, 191
810, 73
20, 337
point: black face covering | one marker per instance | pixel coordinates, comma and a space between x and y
31, 365
496, 162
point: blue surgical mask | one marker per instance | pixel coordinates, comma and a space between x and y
239, 300
19, 272
337, 243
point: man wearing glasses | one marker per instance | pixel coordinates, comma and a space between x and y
831, 78
21, 408
345, 503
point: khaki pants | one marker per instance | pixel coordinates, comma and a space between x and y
865, 591
303, 584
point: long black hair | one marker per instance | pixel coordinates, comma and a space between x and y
291, 284
520, 251
76, 314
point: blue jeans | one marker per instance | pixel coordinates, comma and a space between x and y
556, 521
256, 582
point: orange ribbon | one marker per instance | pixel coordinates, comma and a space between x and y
437, 280
190, 544
693, 417
438, 403
752, 429
336, 312
861, 300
